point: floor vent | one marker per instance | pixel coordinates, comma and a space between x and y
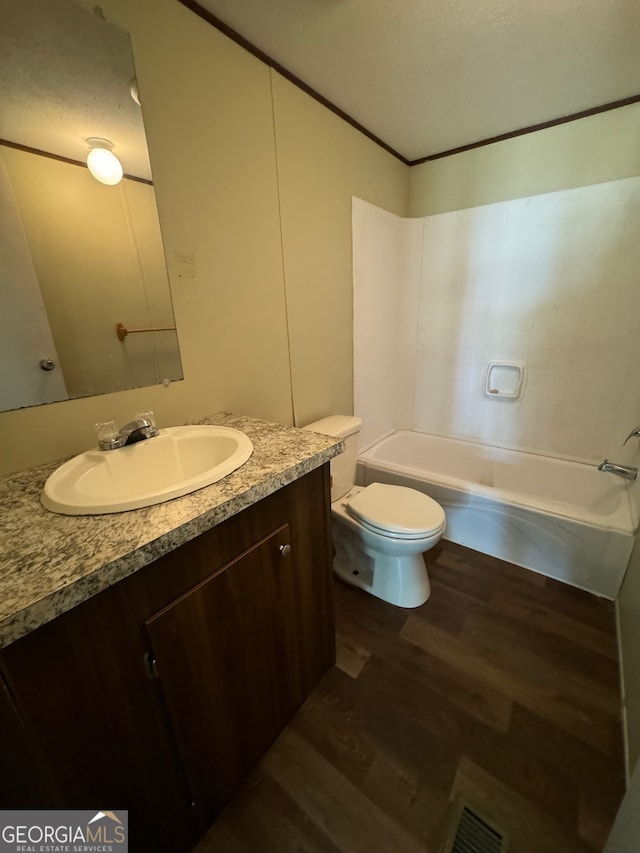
471, 833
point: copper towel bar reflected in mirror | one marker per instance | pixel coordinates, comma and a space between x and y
122, 331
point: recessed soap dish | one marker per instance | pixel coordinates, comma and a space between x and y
503, 380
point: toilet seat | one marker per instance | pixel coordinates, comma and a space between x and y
396, 511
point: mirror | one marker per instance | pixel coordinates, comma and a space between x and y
79, 258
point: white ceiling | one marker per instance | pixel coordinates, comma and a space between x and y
426, 76
65, 75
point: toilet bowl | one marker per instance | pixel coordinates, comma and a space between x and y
380, 532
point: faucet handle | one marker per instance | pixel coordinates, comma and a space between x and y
107, 435
147, 416
635, 431
106, 430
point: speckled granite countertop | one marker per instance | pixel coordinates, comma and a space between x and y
50, 563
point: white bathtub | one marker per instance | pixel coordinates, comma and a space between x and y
563, 519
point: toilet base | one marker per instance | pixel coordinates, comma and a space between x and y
400, 580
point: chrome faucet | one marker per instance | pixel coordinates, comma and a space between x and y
634, 431
627, 472
139, 429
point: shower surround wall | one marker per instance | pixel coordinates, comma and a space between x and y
549, 281
387, 253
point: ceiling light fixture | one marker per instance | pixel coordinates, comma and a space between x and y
102, 162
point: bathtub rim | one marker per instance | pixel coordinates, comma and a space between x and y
556, 457
497, 495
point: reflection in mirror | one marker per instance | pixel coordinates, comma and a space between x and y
78, 257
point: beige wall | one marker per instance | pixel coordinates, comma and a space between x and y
603, 147
209, 115
322, 163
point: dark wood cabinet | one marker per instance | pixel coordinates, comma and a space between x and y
159, 694
235, 637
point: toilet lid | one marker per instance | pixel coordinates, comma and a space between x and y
397, 509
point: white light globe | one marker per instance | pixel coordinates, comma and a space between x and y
104, 166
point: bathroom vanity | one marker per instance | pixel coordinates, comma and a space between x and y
151, 657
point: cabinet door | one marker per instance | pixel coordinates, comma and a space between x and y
228, 661
21, 782
90, 727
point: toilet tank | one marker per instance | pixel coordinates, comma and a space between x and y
343, 467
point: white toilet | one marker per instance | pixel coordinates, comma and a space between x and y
379, 531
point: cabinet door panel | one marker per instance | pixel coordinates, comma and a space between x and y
17, 787
234, 635
96, 723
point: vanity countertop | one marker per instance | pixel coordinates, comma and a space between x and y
49, 563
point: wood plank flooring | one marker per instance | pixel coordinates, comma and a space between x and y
503, 689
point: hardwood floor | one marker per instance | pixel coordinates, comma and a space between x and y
502, 689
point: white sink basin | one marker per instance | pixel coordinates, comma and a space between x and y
177, 461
